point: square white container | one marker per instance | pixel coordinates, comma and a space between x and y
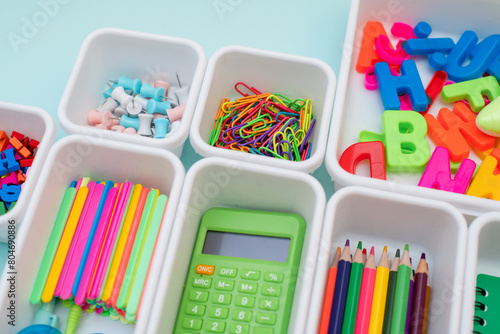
358, 109
379, 219
483, 251
71, 158
267, 71
35, 123
216, 182
108, 53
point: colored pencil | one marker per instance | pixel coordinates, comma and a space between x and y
352, 301
365, 256
340, 293
427, 301
400, 306
330, 289
419, 297
410, 301
391, 291
380, 294
366, 295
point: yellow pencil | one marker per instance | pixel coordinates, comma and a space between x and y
62, 251
115, 264
380, 295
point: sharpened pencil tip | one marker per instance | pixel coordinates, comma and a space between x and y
347, 243
423, 256
338, 250
364, 251
372, 251
407, 248
397, 253
360, 245
385, 249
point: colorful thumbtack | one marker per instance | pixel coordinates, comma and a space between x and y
121, 96
161, 126
129, 84
108, 104
145, 125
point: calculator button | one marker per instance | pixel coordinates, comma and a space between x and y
250, 274
195, 309
263, 330
202, 282
222, 298
204, 269
271, 290
218, 312
244, 301
215, 326
248, 287
242, 315
192, 323
239, 329
273, 277
269, 304
227, 272
199, 296
265, 318
225, 285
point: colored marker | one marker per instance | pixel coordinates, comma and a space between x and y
340, 293
330, 289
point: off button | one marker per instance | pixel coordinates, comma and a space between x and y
227, 272
204, 269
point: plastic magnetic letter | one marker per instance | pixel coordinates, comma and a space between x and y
435, 85
403, 30
428, 46
481, 56
8, 162
456, 130
367, 54
472, 91
387, 53
406, 149
408, 83
371, 151
486, 184
488, 119
422, 29
437, 174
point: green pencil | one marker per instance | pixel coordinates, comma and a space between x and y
400, 307
352, 300
391, 290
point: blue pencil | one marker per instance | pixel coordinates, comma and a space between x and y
340, 294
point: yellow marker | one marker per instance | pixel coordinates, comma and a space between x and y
115, 264
485, 184
379, 295
62, 251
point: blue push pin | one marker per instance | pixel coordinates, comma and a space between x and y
46, 322
149, 91
161, 126
130, 122
408, 83
155, 107
129, 84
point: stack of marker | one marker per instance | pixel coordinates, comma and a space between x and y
101, 246
361, 298
16, 157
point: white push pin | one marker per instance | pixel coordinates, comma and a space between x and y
145, 125
182, 93
120, 111
174, 127
174, 102
141, 100
108, 105
133, 109
120, 95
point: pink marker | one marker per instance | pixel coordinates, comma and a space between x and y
81, 221
109, 243
75, 255
78, 183
95, 248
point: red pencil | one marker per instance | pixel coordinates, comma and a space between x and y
330, 289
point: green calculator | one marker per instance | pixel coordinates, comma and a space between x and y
242, 275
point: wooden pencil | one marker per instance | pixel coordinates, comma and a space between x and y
352, 300
419, 297
427, 300
391, 290
400, 306
380, 294
366, 295
330, 289
410, 300
340, 292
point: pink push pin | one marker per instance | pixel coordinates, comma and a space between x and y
118, 128
131, 131
95, 117
161, 84
176, 113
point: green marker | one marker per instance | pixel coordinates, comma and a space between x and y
53, 244
352, 300
400, 307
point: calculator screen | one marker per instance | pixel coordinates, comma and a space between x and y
248, 246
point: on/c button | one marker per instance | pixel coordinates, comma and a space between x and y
204, 269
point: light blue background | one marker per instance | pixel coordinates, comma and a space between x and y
35, 64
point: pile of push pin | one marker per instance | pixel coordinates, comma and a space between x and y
16, 156
136, 107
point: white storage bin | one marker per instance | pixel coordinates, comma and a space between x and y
357, 108
267, 71
71, 158
35, 123
381, 219
108, 53
482, 258
216, 182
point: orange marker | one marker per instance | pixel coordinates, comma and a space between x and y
330, 289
